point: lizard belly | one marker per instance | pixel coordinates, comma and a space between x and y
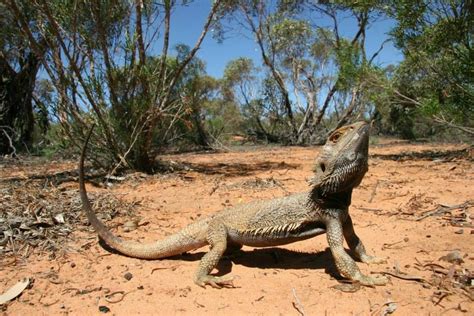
277, 235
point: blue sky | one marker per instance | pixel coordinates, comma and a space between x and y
187, 23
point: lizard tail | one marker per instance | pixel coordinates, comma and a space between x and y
189, 238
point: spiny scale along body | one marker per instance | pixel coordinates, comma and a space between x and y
324, 209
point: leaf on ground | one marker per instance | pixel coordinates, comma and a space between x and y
14, 291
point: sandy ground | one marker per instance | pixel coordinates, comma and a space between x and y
299, 278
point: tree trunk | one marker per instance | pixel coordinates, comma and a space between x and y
202, 136
16, 109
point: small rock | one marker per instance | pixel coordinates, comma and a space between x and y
104, 309
390, 308
453, 257
59, 219
459, 232
128, 276
73, 265
129, 226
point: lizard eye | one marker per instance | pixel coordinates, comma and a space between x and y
335, 137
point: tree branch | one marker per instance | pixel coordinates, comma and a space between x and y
269, 63
164, 52
196, 47
442, 120
55, 28
10, 141
105, 52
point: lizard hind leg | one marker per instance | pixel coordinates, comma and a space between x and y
217, 239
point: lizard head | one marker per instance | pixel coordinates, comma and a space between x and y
343, 160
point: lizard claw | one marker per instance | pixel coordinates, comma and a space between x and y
215, 282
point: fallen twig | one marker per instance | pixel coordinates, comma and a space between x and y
40, 217
403, 276
297, 303
51, 303
389, 245
83, 291
172, 268
214, 189
432, 264
442, 296
376, 210
10, 141
374, 190
59, 177
442, 209
109, 297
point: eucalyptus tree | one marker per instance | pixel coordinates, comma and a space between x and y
241, 85
436, 78
103, 61
309, 60
19, 66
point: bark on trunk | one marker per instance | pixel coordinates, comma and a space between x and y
16, 109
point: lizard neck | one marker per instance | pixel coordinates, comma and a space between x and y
339, 200
332, 205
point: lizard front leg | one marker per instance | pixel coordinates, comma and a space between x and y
217, 239
356, 245
344, 263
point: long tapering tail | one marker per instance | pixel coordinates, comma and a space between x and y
189, 238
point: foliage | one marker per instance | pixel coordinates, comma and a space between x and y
437, 73
101, 66
319, 75
98, 63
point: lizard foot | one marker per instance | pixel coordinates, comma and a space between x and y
215, 282
372, 280
372, 259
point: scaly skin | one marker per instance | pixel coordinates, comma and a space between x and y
324, 209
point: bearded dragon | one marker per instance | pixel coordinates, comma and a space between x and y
339, 168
